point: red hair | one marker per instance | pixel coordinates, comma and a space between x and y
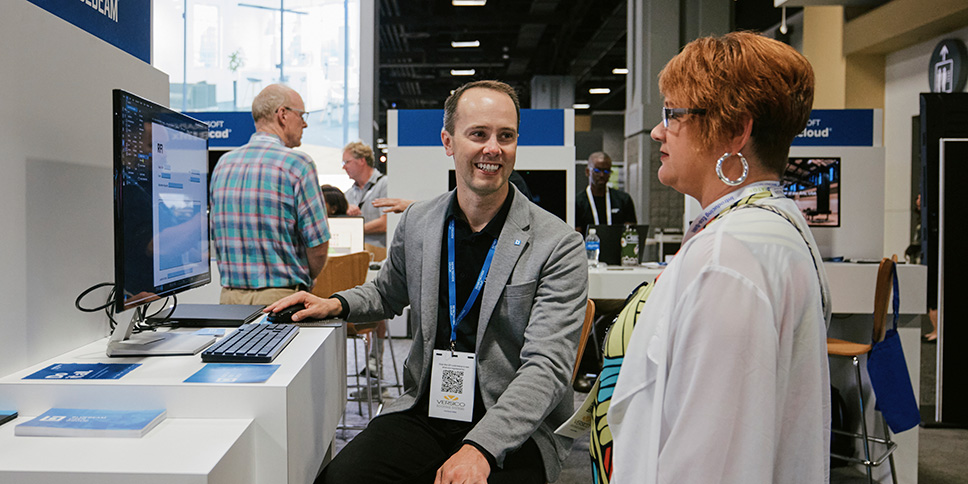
743, 74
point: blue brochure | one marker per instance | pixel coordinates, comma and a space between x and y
83, 371
232, 373
81, 422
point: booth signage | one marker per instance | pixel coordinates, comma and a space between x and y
123, 24
226, 129
947, 70
838, 127
539, 127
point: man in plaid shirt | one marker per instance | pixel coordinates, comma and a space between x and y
268, 215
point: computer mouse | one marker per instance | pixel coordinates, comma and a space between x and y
284, 316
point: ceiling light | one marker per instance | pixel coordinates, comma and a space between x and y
462, 72
620, 70
581, 106
599, 90
468, 3
463, 44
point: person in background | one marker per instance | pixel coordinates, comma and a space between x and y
725, 377
368, 185
336, 204
599, 204
503, 353
913, 256
268, 219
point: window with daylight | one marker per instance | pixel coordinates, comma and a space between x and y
219, 54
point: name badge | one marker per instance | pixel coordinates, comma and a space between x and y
452, 386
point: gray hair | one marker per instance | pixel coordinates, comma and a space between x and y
273, 97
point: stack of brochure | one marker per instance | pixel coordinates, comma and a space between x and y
80, 422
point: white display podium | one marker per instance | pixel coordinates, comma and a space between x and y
177, 451
293, 415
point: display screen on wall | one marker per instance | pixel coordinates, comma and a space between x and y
814, 184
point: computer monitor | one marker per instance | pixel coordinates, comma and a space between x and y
814, 184
161, 242
346, 235
610, 242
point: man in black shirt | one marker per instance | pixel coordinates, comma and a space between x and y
497, 291
599, 204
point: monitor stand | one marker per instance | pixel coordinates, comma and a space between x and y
123, 343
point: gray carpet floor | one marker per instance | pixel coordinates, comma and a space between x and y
942, 457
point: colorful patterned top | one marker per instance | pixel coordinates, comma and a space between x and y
266, 210
616, 341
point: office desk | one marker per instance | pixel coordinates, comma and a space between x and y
280, 431
851, 285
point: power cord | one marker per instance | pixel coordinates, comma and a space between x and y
141, 323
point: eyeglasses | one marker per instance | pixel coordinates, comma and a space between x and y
304, 114
671, 114
600, 170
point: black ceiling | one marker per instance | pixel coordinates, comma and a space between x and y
519, 40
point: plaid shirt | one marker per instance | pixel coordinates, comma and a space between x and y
266, 210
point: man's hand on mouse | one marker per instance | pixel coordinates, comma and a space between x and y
316, 307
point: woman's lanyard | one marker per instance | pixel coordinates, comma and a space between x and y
747, 195
455, 318
608, 206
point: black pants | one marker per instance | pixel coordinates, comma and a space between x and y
409, 447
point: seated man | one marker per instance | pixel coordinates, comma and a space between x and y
486, 381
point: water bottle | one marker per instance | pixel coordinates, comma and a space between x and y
592, 245
630, 246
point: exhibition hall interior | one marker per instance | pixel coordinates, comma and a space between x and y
133, 353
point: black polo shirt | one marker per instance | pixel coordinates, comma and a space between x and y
470, 251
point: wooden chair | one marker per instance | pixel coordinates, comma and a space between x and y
341, 272
586, 329
379, 253
848, 349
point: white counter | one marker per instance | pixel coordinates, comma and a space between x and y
851, 285
293, 415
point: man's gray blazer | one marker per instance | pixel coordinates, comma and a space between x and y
532, 309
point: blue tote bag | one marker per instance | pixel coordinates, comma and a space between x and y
890, 379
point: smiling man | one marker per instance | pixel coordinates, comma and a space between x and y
497, 290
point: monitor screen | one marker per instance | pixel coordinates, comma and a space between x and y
814, 184
160, 201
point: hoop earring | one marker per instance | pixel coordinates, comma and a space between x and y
719, 169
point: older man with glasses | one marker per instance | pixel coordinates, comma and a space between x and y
268, 216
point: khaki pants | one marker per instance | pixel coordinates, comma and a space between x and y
254, 296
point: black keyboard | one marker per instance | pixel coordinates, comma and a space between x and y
251, 343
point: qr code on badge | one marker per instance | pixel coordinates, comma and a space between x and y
452, 382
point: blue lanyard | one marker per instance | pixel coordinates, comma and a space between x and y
455, 319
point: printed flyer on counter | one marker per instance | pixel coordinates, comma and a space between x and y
83, 371
232, 373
